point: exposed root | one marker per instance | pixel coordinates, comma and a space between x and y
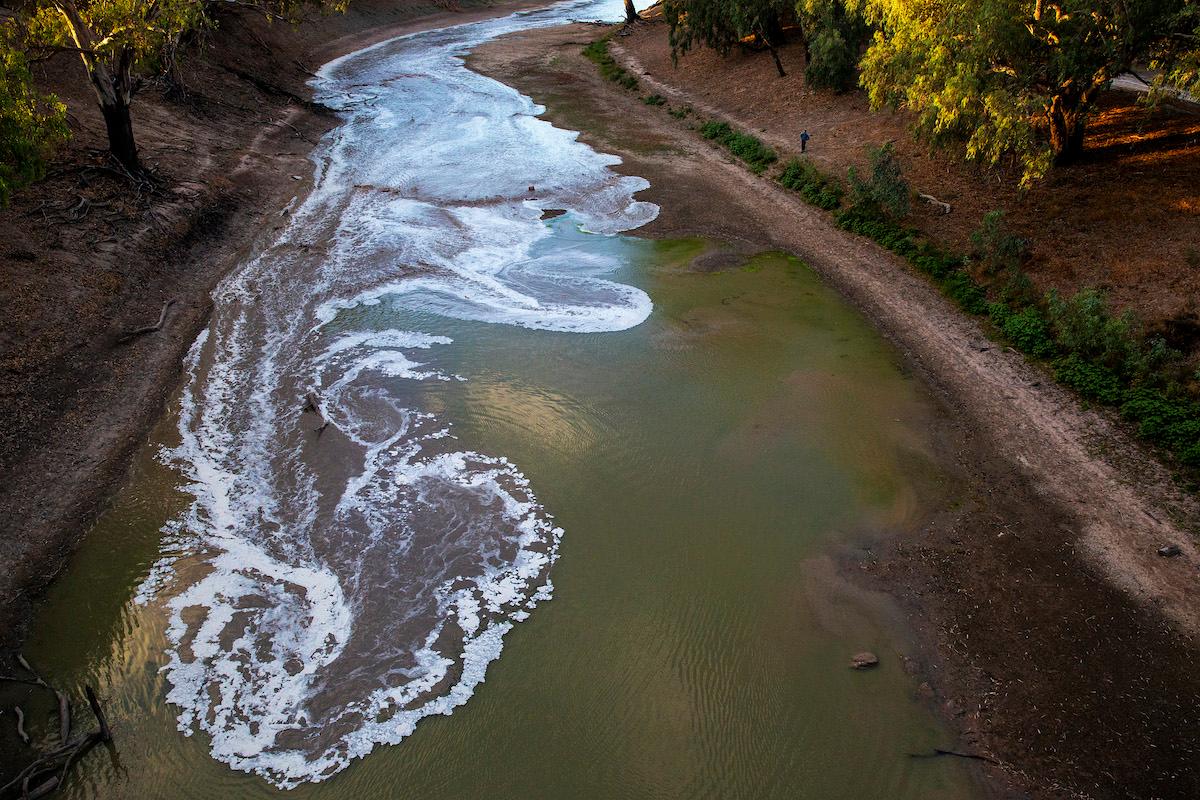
162, 317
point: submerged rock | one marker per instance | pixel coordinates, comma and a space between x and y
864, 660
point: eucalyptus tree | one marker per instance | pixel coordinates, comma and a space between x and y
119, 41
1019, 76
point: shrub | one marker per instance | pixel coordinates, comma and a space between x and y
655, 100
746, 147
1083, 325
31, 125
884, 191
1093, 381
997, 248
813, 185
597, 53
1027, 331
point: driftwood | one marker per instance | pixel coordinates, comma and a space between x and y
933, 201
311, 404
21, 724
162, 317
48, 772
64, 716
937, 751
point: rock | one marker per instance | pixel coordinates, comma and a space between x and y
864, 660
1170, 551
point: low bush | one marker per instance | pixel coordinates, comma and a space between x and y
746, 147
997, 248
655, 100
1026, 330
1092, 381
597, 53
813, 185
883, 191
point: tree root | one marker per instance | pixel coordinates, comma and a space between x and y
52, 766
162, 317
21, 732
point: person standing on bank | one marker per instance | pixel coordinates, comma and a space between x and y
804, 137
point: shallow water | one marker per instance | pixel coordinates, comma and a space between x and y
517, 409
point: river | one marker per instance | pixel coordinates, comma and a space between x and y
433, 422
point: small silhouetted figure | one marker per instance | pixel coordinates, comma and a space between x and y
804, 137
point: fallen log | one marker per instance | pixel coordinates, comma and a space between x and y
933, 201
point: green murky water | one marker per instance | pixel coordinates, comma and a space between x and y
703, 465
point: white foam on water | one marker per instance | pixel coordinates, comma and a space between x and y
342, 574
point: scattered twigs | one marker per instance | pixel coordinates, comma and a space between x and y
311, 404
157, 326
933, 201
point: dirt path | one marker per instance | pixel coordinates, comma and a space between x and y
1058, 640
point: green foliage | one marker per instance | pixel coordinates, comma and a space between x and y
1011, 76
1092, 381
996, 247
115, 31
746, 147
680, 113
597, 53
1028, 332
835, 36
813, 185
722, 24
884, 190
31, 124
655, 100
1084, 326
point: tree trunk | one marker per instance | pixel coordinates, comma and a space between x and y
778, 63
112, 82
631, 14
1066, 133
120, 136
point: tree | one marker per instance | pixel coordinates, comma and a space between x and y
118, 40
113, 38
31, 124
721, 24
631, 14
833, 40
1015, 76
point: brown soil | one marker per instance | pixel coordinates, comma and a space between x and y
1056, 640
85, 258
1126, 219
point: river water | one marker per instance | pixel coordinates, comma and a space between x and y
425, 412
